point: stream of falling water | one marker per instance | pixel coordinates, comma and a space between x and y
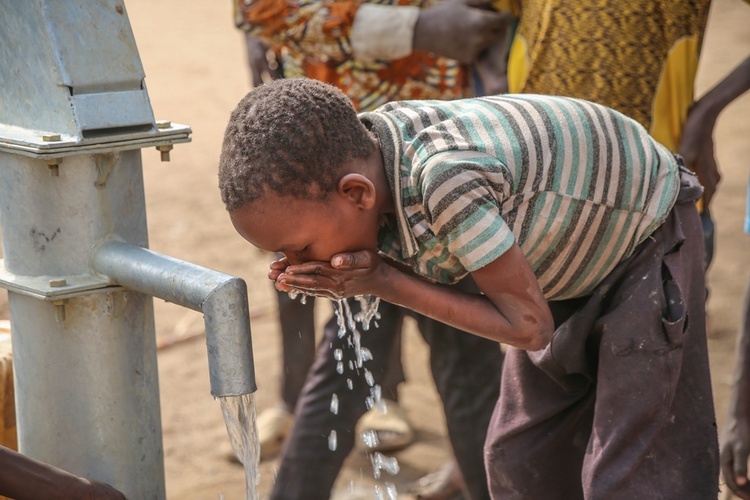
347, 322
239, 417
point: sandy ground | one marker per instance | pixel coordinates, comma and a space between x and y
196, 73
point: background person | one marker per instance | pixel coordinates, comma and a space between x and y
736, 436
640, 58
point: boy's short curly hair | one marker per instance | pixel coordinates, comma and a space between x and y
289, 136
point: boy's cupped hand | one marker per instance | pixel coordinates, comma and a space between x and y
346, 275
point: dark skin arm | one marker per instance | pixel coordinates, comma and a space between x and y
511, 310
697, 143
492, 67
735, 447
459, 29
262, 62
24, 478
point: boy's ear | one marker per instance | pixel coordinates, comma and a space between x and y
358, 189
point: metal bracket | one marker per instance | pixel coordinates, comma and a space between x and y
33, 143
54, 288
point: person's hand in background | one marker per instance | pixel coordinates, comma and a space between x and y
263, 62
459, 29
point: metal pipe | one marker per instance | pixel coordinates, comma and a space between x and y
84, 356
220, 297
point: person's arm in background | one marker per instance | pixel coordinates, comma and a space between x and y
264, 63
490, 71
697, 143
341, 30
735, 446
24, 478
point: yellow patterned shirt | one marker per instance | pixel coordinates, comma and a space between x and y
639, 57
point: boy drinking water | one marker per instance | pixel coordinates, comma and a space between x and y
579, 230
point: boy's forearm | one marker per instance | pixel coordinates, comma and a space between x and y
473, 313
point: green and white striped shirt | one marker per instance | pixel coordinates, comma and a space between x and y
576, 184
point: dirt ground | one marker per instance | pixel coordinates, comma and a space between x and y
196, 73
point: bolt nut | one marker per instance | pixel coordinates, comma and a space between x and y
163, 124
165, 151
57, 283
51, 137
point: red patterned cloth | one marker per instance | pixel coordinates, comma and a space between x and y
314, 38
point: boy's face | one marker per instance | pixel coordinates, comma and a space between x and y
307, 230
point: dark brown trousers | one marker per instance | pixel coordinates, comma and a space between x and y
619, 405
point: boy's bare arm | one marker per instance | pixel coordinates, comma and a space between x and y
512, 310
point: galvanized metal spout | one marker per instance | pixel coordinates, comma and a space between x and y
222, 299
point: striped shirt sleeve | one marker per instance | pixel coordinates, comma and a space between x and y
462, 207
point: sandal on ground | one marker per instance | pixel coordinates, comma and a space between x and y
384, 431
274, 425
446, 483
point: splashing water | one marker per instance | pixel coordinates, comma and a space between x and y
332, 442
347, 323
293, 294
369, 378
335, 404
380, 462
389, 493
370, 438
239, 417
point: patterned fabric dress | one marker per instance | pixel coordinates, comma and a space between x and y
315, 41
639, 57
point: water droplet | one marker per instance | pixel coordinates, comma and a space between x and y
340, 367
382, 462
386, 492
335, 404
332, 441
338, 354
390, 491
370, 438
376, 393
365, 353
